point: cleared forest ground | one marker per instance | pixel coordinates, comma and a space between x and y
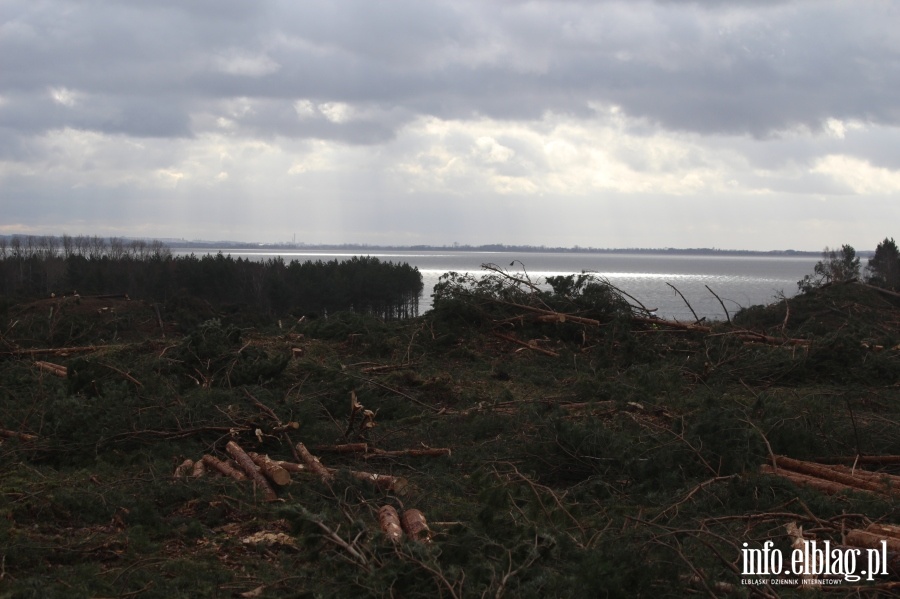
511, 442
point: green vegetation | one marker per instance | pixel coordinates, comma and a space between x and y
835, 267
594, 451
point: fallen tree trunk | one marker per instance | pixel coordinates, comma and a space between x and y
274, 471
387, 368
413, 453
293, 467
871, 540
858, 479
313, 462
222, 467
884, 460
247, 465
371, 452
7, 434
890, 482
344, 448
55, 369
58, 351
887, 530
826, 486
396, 484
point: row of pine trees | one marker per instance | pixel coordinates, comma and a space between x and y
41, 266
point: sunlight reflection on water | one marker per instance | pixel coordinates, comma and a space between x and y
740, 281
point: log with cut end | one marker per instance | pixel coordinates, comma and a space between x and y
293, 467
414, 525
389, 521
184, 468
313, 462
246, 463
396, 484
223, 467
276, 473
199, 469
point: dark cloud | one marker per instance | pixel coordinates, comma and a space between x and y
746, 67
455, 114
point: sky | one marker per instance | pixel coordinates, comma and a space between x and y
732, 124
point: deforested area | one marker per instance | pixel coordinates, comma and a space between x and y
515, 441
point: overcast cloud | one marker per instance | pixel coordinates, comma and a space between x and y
730, 124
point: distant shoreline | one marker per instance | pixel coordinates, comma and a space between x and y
224, 245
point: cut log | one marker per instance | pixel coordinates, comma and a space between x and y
859, 479
387, 368
58, 351
184, 468
425, 452
889, 481
370, 451
826, 486
414, 525
17, 435
54, 369
862, 459
344, 448
871, 540
313, 463
271, 469
223, 467
396, 484
199, 469
389, 521
246, 463
887, 530
293, 467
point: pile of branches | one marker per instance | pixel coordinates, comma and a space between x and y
506, 299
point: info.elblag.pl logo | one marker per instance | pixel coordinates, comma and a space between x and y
812, 563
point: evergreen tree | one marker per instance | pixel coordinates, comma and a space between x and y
883, 269
835, 267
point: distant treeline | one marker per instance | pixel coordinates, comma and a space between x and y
492, 247
33, 266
